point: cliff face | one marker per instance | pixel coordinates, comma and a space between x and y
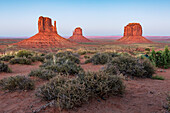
78, 36
47, 36
133, 34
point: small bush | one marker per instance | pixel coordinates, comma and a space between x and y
86, 57
23, 53
20, 61
101, 58
66, 53
70, 93
147, 49
6, 57
4, 68
65, 67
130, 66
158, 77
43, 74
37, 58
16, 83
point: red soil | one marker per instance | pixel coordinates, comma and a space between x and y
141, 96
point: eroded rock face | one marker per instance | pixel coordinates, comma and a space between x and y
47, 37
78, 36
133, 34
45, 25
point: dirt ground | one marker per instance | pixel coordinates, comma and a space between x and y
141, 96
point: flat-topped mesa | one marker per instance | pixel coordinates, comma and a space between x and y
133, 29
45, 25
78, 36
133, 34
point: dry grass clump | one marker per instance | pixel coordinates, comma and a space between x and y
130, 66
16, 83
69, 93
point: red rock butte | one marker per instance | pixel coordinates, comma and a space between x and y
47, 37
133, 34
78, 36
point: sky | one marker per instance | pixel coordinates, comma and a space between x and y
19, 18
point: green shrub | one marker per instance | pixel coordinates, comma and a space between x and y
69, 93
65, 67
69, 58
66, 53
147, 49
158, 77
43, 74
6, 57
130, 66
20, 61
23, 53
101, 58
160, 58
4, 68
16, 83
86, 57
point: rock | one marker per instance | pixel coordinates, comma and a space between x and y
78, 36
47, 37
133, 34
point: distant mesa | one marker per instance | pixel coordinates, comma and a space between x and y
47, 37
78, 36
133, 34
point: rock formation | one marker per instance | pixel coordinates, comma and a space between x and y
133, 34
78, 36
47, 37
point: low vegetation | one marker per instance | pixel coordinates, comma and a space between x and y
157, 77
69, 93
24, 53
43, 74
101, 58
6, 57
16, 83
20, 60
4, 68
130, 66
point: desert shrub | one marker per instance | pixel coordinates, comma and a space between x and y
23, 53
49, 56
158, 77
20, 60
66, 53
6, 57
130, 66
86, 57
160, 58
16, 83
65, 67
147, 49
101, 58
168, 99
69, 58
37, 58
69, 93
4, 67
43, 74
82, 52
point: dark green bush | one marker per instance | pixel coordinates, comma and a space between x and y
158, 77
20, 60
68, 58
37, 58
69, 93
6, 57
160, 58
130, 66
66, 53
16, 83
23, 53
43, 74
101, 58
4, 68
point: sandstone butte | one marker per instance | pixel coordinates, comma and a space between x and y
133, 34
47, 37
78, 36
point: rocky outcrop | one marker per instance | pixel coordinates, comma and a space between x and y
78, 36
133, 34
47, 37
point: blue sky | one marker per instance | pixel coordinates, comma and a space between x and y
96, 17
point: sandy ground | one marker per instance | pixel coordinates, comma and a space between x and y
141, 96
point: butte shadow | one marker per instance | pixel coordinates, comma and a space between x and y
47, 37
